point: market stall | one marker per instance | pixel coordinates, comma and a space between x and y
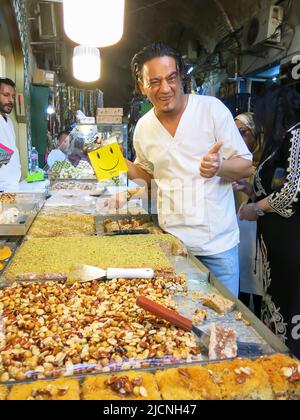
100, 344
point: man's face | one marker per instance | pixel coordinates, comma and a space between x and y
162, 84
7, 98
64, 142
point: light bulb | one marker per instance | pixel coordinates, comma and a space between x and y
86, 63
95, 23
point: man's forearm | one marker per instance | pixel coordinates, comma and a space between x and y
136, 173
236, 169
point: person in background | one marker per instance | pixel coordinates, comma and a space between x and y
276, 207
179, 141
10, 174
250, 282
60, 154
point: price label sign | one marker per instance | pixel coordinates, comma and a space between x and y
108, 162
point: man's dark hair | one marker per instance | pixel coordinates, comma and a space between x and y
157, 49
6, 81
63, 133
275, 113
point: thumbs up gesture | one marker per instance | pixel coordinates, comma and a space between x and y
211, 163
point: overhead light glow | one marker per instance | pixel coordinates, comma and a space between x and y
190, 70
95, 23
50, 110
86, 63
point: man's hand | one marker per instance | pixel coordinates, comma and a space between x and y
116, 201
211, 163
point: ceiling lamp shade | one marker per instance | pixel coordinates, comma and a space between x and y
86, 63
96, 23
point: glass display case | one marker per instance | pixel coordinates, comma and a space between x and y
84, 138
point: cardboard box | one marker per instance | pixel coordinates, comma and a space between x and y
110, 111
44, 77
109, 119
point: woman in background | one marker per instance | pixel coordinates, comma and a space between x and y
276, 206
250, 283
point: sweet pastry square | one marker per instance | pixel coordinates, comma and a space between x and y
284, 375
122, 386
60, 389
222, 343
241, 379
218, 303
3, 392
187, 383
200, 315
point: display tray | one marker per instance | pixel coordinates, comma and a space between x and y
37, 199
201, 282
143, 219
13, 245
237, 379
27, 214
92, 187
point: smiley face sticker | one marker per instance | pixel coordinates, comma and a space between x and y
108, 162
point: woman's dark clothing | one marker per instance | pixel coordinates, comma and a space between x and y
278, 178
256, 300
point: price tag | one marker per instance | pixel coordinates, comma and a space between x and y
108, 162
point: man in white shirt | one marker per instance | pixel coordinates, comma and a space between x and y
60, 154
10, 174
192, 149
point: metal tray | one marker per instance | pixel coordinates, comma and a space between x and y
99, 219
13, 245
199, 279
28, 212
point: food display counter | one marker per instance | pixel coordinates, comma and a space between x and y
101, 344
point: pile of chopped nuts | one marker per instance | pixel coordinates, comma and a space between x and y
7, 198
123, 386
54, 329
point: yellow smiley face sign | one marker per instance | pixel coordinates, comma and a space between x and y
108, 162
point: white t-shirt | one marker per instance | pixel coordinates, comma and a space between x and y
200, 212
10, 174
55, 156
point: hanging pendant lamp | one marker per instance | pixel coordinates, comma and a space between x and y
95, 23
86, 63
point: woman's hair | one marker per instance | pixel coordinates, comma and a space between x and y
157, 49
247, 118
275, 113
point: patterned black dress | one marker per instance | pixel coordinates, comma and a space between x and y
278, 178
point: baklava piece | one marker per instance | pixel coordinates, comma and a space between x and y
200, 315
222, 343
218, 303
3, 392
187, 383
241, 380
124, 386
60, 389
284, 374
